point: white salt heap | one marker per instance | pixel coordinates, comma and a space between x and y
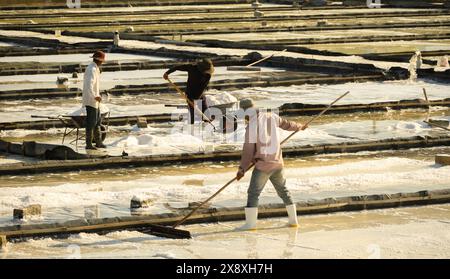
220, 99
150, 144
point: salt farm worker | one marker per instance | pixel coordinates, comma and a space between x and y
262, 146
92, 99
116, 39
199, 75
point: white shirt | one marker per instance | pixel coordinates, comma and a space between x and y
91, 85
116, 39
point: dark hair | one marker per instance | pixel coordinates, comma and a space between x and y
205, 64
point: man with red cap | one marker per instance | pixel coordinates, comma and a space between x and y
92, 99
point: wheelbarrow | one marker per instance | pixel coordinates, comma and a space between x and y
73, 124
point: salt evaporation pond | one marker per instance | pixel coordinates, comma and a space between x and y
135, 44
360, 93
317, 34
266, 97
80, 58
89, 11
24, 113
111, 79
66, 39
71, 197
395, 234
178, 140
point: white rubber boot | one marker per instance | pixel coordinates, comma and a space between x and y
251, 215
292, 215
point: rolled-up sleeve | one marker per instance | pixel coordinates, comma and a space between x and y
288, 125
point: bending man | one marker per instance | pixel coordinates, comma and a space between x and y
199, 76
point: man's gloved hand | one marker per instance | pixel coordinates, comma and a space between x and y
166, 76
240, 174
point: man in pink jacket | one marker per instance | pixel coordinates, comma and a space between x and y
262, 146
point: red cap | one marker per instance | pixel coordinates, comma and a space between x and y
99, 55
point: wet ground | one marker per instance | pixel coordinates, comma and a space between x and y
421, 232
112, 79
68, 195
177, 137
80, 58
383, 47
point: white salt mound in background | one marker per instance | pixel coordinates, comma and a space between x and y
220, 99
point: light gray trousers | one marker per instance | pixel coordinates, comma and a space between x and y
259, 180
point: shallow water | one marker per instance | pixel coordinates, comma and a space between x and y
66, 196
111, 79
392, 233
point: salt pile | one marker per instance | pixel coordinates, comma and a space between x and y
220, 99
408, 126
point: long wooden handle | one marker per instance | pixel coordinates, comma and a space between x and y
428, 103
190, 102
265, 58
252, 165
426, 95
315, 117
436, 125
44, 116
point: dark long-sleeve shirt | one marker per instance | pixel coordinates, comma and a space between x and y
197, 80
